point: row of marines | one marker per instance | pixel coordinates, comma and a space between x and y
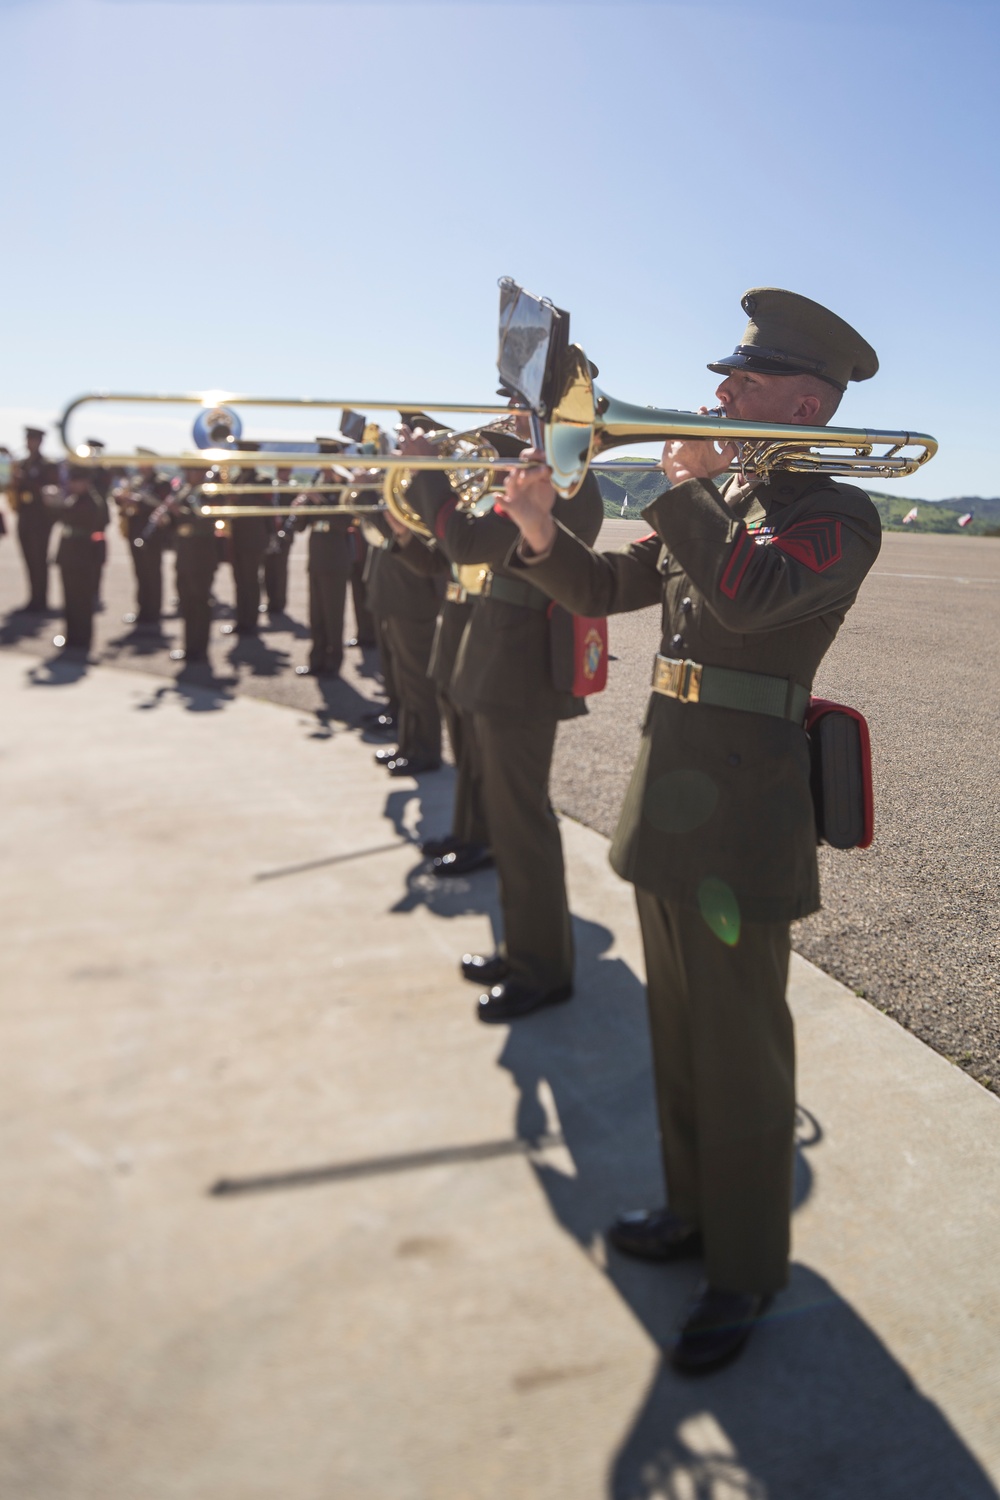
717, 832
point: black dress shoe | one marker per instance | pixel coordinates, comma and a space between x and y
311, 671
654, 1234
715, 1329
404, 765
380, 723
434, 848
463, 861
512, 998
477, 967
383, 757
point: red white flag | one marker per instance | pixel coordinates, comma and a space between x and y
911, 515
964, 520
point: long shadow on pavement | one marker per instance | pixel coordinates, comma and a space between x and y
816, 1408
59, 670
426, 812
197, 687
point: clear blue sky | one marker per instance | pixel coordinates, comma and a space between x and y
317, 199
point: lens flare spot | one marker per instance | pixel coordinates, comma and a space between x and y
718, 905
680, 801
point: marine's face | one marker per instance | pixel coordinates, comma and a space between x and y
761, 398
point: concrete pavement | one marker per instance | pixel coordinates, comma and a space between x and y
224, 963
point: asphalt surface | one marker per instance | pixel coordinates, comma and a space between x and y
912, 924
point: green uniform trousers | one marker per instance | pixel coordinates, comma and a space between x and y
419, 722
197, 556
724, 1066
327, 595
515, 757
80, 567
34, 527
147, 561
467, 820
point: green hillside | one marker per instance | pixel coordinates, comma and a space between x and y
939, 515
638, 488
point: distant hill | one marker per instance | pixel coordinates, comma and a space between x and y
638, 487
939, 515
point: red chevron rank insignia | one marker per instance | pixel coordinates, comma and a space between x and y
815, 544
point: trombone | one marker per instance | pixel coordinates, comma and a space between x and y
216, 408
580, 425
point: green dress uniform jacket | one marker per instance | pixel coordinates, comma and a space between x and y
760, 582
503, 666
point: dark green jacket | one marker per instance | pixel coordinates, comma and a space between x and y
430, 562
392, 588
503, 663
719, 808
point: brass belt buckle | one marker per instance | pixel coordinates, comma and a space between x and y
677, 679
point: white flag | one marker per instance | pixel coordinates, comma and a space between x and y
964, 520
911, 515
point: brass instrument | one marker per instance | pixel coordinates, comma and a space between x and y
572, 420
586, 422
474, 481
216, 423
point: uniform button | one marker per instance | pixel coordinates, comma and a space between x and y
677, 642
732, 760
686, 606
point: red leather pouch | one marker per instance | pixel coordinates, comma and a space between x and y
578, 648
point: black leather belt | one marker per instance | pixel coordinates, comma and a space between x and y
82, 533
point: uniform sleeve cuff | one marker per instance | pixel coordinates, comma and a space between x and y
527, 555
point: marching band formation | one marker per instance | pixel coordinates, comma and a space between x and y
494, 620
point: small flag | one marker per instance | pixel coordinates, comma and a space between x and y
911, 515
625, 505
964, 520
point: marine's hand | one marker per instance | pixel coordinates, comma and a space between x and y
528, 499
415, 444
401, 532
696, 458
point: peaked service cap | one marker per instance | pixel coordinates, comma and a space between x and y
791, 335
